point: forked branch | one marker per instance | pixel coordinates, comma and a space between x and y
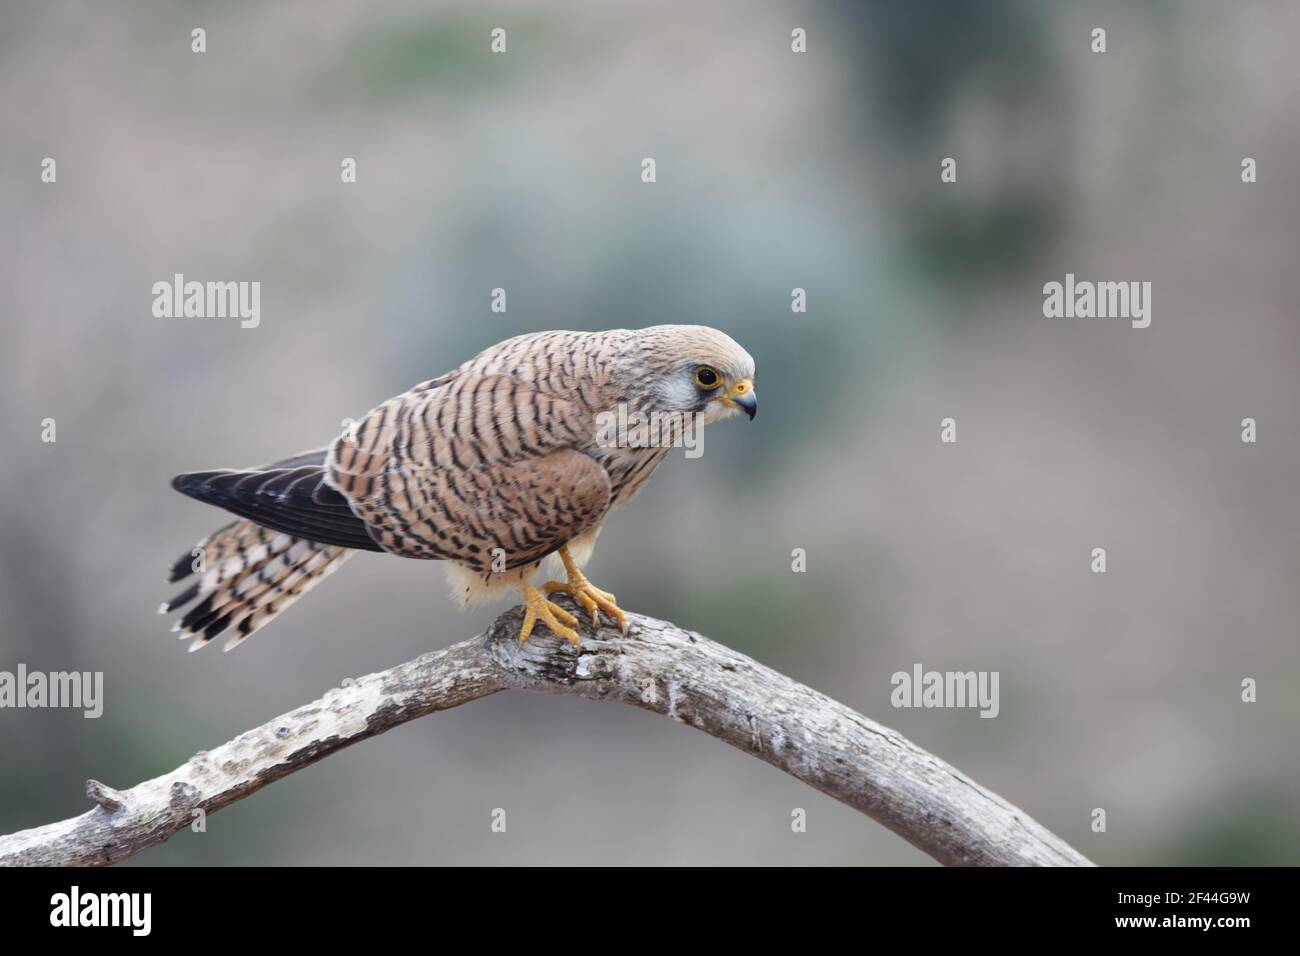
657, 666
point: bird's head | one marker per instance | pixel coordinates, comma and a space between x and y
691, 369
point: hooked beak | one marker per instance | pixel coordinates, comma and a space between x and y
741, 395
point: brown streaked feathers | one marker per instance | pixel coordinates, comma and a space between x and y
491, 467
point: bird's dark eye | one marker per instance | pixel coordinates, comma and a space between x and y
706, 377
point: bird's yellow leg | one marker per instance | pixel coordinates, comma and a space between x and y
536, 608
585, 593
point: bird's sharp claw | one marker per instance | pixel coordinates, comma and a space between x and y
537, 608
592, 599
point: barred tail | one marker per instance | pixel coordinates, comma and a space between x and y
246, 575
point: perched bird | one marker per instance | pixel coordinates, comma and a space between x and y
514, 456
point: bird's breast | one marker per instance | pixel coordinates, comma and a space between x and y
628, 469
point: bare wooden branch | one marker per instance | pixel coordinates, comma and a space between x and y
658, 666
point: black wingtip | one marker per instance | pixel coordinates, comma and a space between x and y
207, 486
191, 482
296, 501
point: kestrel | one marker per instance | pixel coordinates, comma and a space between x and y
520, 453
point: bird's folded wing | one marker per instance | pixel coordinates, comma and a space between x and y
481, 470
290, 496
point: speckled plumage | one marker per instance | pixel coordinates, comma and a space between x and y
491, 467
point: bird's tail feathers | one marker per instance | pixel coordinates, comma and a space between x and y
244, 576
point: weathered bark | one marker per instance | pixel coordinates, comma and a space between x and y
658, 666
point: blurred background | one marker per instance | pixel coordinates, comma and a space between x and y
775, 170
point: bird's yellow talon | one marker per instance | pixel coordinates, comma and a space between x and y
592, 598
537, 608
